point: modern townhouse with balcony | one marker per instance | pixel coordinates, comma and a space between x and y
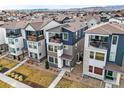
15, 38
35, 41
64, 44
103, 53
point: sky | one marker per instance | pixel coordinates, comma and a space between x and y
56, 4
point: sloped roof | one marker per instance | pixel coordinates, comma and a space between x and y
75, 26
107, 29
15, 24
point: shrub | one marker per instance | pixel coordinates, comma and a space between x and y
16, 76
47, 65
20, 78
12, 74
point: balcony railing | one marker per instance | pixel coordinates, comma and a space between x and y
35, 38
99, 44
55, 40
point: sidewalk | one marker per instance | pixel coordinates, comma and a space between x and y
57, 79
13, 82
21, 63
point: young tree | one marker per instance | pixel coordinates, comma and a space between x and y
47, 65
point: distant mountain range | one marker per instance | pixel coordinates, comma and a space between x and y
105, 8
89, 9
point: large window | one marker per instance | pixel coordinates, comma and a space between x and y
51, 59
114, 40
65, 36
98, 71
99, 56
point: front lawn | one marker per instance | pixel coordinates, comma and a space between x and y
35, 77
66, 83
4, 85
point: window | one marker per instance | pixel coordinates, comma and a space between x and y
65, 36
99, 56
17, 49
39, 44
109, 73
11, 41
35, 47
30, 46
98, 71
30, 54
35, 55
91, 54
12, 50
40, 54
51, 59
50, 47
90, 68
56, 61
16, 40
114, 40
65, 47
55, 48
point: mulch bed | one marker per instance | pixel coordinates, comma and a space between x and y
33, 84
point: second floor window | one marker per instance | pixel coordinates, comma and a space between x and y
65, 36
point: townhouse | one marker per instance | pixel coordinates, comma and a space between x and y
64, 43
103, 52
15, 38
35, 41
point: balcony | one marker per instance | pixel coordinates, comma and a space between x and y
99, 42
35, 38
13, 35
57, 38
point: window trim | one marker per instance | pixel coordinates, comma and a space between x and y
116, 41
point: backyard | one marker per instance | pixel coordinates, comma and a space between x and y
4, 85
34, 77
66, 83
